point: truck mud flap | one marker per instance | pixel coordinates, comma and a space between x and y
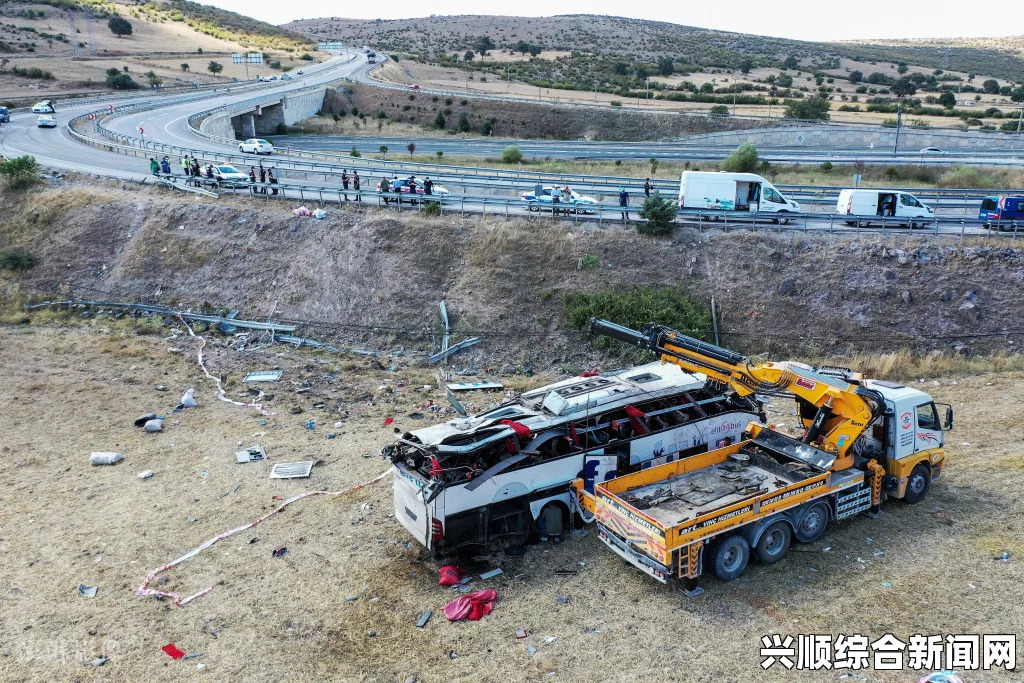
638, 560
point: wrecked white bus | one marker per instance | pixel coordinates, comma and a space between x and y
497, 477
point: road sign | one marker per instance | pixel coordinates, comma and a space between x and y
856, 179
329, 46
247, 59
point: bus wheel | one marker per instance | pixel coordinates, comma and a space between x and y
730, 558
917, 484
774, 543
812, 523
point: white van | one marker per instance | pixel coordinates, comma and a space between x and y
885, 204
740, 192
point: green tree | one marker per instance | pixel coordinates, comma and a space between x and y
791, 62
511, 155
354, 152
439, 121
784, 81
439, 154
20, 173
384, 151
720, 110
464, 126
120, 81
483, 44
666, 66
856, 76
215, 67
991, 86
746, 64
1017, 95
654, 165
742, 160
535, 50
411, 147
153, 79
660, 214
809, 108
185, 67
120, 26
947, 99
620, 68
903, 87
468, 57
902, 68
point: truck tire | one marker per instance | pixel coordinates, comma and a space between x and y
730, 557
774, 543
917, 484
850, 222
811, 524
782, 220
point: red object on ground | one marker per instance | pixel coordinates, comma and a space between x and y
472, 606
590, 373
388, 421
173, 651
450, 575
519, 428
435, 468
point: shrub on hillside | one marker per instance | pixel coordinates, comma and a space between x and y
20, 173
743, 160
659, 212
511, 155
18, 260
966, 178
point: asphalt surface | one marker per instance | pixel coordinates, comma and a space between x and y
307, 180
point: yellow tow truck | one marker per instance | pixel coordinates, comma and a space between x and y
864, 440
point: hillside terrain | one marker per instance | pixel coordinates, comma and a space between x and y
59, 46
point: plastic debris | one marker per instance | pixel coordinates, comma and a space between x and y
522, 633
292, 470
99, 661
160, 387
105, 458
143, 419
263, 376
424, 619
280, 552
156, 425
173, 651
490, 574
188, 400
87, 591
550, 639
146, 474
561, 599
319, 214
472, 606
450, 575
530, 650
251, 454
388, 421
302, 211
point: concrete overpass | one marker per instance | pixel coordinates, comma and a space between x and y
261, 116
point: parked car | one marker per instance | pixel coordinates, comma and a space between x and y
1002, 211
255, 146
401, 185
229, 174
300, 72
268, 79
547, 195
5, 115
46, 121
894, 204
44, 107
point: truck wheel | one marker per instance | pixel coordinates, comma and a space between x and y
850, 222
812, 523
774, 543
730, 558
782, 221
917, 484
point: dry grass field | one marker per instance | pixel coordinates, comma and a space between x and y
343, 603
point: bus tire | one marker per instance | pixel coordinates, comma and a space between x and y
811, 523
774, 543
918, 484
730, 557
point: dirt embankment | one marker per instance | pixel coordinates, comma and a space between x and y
373, 276
526, 120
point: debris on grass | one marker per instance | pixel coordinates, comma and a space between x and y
490, 574
251, 454
87, 591
263, 376
105, 458
146, 474
424, 619
173, 651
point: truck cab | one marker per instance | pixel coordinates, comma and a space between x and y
1004, 212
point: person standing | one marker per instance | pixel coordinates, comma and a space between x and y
428, 186
272, 180
647, 187
186, 166
385, 186
165, 166
356, 185
195, 167
624, 202
154, 167
252, 180
344, 182
263, 180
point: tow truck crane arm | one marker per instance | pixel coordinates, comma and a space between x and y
842, 409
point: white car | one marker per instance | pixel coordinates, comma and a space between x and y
268, 79
299, 72
229, 174
46, 121
932, 150
255, 146
44, 107
547, 195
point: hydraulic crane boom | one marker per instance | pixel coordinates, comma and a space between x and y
835, 409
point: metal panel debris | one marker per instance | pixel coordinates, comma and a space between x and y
251, 454
470, 386
466, 343
459, 408
263, 376
490, 574
424, 619
163, 310
292, 470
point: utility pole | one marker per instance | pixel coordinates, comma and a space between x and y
595, 90
734, 100
1021, 117
899, 120
647, 93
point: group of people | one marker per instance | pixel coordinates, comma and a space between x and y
265, 177
158, 167
395, 185
356, 183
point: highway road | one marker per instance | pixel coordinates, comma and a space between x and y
473, 190
664, 151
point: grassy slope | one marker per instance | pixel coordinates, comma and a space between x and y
644, 40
